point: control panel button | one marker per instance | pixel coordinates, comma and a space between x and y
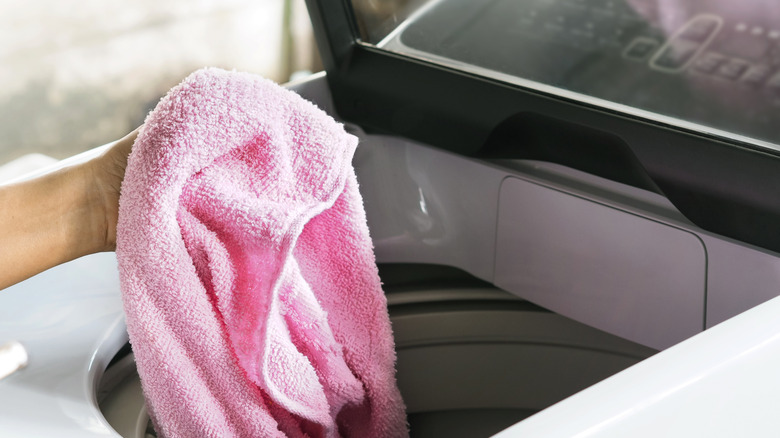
641, 48
677, 54
756, 75
733, 68
708, 62
700, 29
773, 84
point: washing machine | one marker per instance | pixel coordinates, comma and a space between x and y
472, 358
552, 203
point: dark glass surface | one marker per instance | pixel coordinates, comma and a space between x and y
711, 65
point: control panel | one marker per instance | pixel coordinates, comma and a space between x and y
715, 63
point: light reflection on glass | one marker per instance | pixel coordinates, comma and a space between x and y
711, 63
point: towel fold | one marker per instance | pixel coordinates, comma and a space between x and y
251, 292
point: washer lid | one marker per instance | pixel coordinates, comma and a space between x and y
639, 110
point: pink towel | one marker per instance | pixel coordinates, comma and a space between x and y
252, 298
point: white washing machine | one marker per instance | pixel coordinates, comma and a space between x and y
472, 358
584, 206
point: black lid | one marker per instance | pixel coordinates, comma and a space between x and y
728, 184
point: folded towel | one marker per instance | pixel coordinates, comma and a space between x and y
249, 283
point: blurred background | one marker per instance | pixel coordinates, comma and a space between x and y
77, 74
80, 73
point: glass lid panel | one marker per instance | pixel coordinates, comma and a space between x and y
707, 65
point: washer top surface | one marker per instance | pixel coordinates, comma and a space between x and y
70, 321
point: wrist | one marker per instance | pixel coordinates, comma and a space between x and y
85, 217
77, 212
47, 221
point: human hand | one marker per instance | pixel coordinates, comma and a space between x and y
61, 215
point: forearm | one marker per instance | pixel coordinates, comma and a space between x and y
61, 216
48, 221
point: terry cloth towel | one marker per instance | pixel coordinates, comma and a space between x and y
251, 292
